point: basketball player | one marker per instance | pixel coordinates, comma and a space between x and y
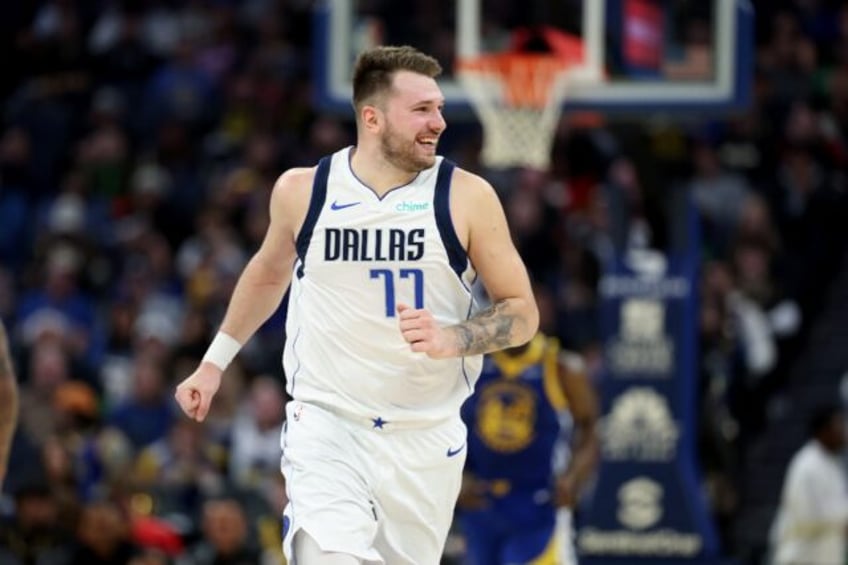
515, 502
380, 243
8, 402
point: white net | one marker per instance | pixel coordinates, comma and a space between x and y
518, 99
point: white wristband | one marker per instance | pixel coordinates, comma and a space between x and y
222, 350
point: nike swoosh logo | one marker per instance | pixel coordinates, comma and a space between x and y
336, 206
452, 452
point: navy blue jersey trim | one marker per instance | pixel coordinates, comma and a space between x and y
316, 202
441, 204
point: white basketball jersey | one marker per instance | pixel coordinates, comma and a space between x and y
360, 255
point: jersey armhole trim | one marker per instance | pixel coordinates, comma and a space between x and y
316, 202
457, 256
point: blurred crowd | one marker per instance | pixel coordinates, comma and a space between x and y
139, 142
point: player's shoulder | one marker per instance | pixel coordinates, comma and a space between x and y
471, 186
291, 196
296, 178
294, 185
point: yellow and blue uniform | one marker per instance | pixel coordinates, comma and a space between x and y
514, 426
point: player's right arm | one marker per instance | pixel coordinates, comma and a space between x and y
258, 291
8, 402
266, 277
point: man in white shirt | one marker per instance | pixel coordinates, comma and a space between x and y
810, 528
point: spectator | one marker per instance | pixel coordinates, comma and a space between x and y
717, 193
810, 528
255, 441
103, 537
35, 534
48, 369
225, 538
148, 414
186, 463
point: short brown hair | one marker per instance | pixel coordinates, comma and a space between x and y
375, 69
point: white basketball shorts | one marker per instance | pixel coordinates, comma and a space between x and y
369, 488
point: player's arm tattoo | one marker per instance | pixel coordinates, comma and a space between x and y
489, 330
8, 400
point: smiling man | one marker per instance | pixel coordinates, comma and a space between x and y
380, 244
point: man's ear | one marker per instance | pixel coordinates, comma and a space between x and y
371, 117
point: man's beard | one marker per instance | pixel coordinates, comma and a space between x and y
401, 153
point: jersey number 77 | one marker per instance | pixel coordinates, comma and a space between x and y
388, 276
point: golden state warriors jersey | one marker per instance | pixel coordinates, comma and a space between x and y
358, 256
513, 418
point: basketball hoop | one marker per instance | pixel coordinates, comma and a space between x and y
518, 98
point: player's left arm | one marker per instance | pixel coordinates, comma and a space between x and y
583, 405
513, 318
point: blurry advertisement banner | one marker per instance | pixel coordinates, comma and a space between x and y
648, 505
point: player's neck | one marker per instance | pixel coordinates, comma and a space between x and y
372, 168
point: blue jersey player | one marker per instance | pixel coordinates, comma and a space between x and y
513, 497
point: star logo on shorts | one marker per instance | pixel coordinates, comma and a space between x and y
379, 422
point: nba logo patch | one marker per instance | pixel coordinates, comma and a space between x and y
298, 412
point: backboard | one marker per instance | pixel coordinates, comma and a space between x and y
639, 55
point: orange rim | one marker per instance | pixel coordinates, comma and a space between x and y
528, 78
